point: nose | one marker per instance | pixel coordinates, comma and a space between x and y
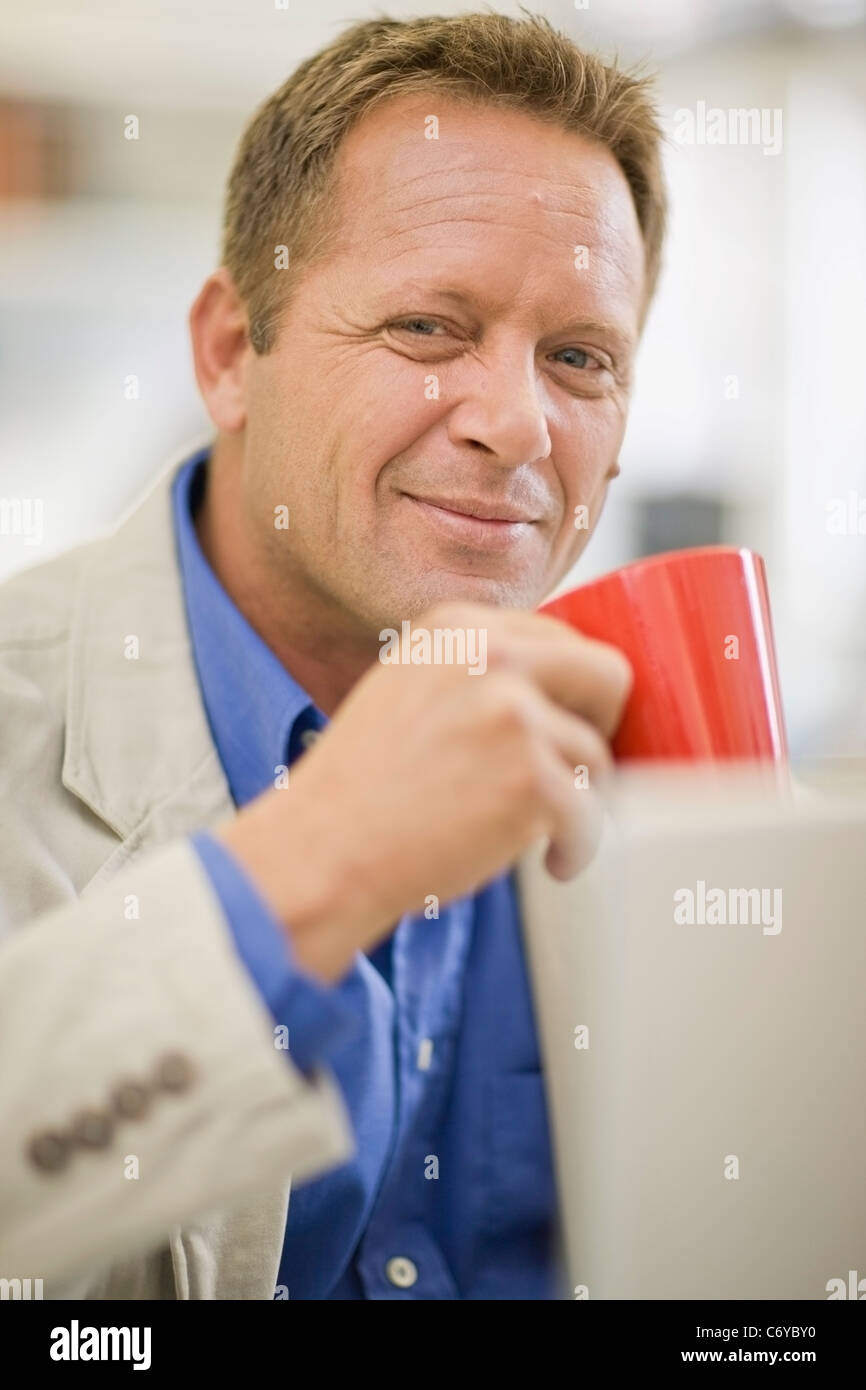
500, 411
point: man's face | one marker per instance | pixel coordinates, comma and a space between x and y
467, 348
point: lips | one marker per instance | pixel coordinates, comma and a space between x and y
497, 531
481, 511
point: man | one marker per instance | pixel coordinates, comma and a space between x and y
273, 929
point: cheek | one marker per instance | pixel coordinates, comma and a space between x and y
278, 433
390, 406
585, 445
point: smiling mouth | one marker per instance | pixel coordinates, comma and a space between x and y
458, 522
499, 512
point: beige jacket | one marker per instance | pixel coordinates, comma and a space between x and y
120, 987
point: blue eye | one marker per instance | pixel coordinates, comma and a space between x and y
414, 323
577, 352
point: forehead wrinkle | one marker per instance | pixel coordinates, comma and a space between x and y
562, 245
605, 235
390, 175
521, 205
456, 218
600, 232
544, 202
593, 174
583, 201
608, 205
477, 171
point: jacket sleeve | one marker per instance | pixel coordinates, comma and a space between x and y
141, 1084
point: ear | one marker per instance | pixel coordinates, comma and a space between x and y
219, 329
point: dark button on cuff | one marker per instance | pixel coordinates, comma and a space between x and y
49, 1151
174, 1072
92, 1128
131, 1100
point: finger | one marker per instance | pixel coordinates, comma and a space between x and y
576, 768
591, 678
577, 818
582, 749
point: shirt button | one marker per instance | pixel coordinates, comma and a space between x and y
308, 737
425, 1054
402, 1272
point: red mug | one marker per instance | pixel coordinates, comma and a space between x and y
696, 627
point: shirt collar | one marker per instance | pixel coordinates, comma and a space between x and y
257, 712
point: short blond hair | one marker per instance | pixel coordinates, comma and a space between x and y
282, 174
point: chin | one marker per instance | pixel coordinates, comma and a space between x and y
448, 587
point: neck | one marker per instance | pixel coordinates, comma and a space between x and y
319, 644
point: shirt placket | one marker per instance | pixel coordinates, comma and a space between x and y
398, 1257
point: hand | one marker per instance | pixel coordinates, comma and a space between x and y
432, 780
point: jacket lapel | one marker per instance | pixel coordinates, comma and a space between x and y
138, 747
139, 753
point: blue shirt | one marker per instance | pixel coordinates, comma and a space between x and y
431, 1036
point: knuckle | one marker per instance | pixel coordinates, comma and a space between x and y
509, 704
527, 789
501, 653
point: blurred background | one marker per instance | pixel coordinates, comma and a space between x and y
748, 424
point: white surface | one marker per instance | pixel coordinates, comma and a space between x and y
709, 1042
